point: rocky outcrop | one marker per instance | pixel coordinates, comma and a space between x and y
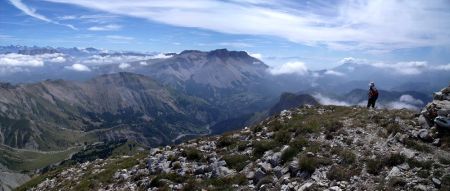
308, 148
435, 118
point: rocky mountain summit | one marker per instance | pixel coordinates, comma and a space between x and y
306, 148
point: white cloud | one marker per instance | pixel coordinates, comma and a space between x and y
410, 99
403, 68
94, 18
375, 26
32, 12
323, 100
335, 73
290, 68
401, 105
79, 68
143, 63
256, 55
119, 37
110, 59
160, 56
109, 27
22, 60
442, 67
408, 68
124, 66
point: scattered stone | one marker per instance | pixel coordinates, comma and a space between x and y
395, 172
436, 182
424, 135
305, 186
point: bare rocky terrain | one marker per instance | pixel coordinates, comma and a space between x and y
306, 148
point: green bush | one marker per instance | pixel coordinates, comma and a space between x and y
224, 183
299, 142
309, 126
309, 164
236, 161
225, 141
156, 181
374, 166
260, 147
333, 125
282, 137
347, 156
192, 154
394, 160
416, 145
339, 173
276, 125
288, 154
393, 128
421, 164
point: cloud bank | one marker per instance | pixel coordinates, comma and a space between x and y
402, 68
298, 68
14, 59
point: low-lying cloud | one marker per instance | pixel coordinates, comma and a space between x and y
323, 100
290, 68
402, 68
78, 67
110, 59
22, 60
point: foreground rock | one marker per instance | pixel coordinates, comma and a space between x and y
309, 148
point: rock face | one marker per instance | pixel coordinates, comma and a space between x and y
308, 148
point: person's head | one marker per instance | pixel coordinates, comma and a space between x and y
371, 84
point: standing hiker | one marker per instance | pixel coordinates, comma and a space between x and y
373, 95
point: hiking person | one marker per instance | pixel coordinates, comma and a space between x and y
373, 95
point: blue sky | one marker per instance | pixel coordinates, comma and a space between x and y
318, 34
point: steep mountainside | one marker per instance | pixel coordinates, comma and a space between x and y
308, 148
57, 114
231, 80
289, 100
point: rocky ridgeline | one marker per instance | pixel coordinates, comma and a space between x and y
309, 148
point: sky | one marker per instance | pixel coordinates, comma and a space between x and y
314, 34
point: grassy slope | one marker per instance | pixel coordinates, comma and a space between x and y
26, 161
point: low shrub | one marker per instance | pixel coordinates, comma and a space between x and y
236, 161
410, 143
332, 125
288, 154
339, 173
347, 156
309, 164
394, 160
192, 154
421, 164
374, 166
282, 137
225, 141
299, 142
260, 147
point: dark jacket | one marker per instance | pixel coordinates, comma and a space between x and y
373, 93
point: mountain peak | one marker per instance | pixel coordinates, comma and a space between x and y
224, 53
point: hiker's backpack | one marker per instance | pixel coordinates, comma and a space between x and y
374, 92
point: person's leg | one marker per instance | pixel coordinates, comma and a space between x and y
373, 103
368, 103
